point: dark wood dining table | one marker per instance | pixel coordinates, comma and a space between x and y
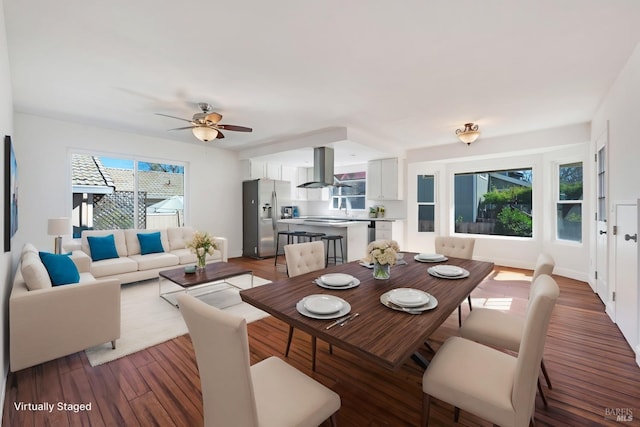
379, 334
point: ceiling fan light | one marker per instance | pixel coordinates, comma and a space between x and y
469, 134
204, 133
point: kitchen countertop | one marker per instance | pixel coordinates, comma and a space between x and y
334, 222
349, 218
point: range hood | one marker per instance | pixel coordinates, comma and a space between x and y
322, 169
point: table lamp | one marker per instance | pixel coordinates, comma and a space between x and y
58, 227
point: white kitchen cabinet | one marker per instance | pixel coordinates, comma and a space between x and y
290, 173
262, 170
384, 179
390, 230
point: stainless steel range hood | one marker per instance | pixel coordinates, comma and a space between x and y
322, 168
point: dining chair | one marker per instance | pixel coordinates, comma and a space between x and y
503, 330
490, 383
457, 247
269, 393
303, 258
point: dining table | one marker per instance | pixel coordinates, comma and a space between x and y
384, 334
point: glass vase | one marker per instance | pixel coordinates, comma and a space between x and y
381, 271
202, 262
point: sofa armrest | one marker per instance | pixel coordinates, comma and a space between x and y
49, 323
223, 247
81, 260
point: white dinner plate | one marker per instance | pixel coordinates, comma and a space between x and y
346, 308
448, 270
433, 258
355, 282
435, 273
430, 305
407, 297
336, 279
322, 304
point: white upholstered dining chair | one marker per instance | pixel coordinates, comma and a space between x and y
269, 393
489, 383
503, 330
457, 247
304, 258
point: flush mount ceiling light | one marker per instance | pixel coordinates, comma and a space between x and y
469, 134
204, 133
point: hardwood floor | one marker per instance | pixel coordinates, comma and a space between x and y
592, 370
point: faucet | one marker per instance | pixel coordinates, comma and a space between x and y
343, 203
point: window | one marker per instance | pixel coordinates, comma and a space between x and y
125, 193
569, 203
426, 203
353, 194
495, 203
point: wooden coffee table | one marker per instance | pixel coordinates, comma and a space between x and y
213, 278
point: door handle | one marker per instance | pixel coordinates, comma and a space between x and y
634, 237
602, 232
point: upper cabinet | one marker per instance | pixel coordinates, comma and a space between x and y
260, 170
384, 179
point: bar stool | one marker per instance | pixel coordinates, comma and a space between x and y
311, 235
290, 235
334, 239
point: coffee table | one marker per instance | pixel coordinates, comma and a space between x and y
213, 278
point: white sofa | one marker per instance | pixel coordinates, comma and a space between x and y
47, 322
131, 266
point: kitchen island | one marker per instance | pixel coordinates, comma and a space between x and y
354, 233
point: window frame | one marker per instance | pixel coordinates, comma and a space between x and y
341, 197
558, 201
434, 175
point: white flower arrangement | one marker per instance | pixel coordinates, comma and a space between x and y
382, 251
202, 244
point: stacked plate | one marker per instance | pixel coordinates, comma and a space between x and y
323, 306
448, 272
408, 299
337, 281
430, 258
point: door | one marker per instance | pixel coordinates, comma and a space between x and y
602, 266
626, 271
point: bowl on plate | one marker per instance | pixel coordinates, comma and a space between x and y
336, 279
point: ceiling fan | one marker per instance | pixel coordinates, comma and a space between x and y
205, 125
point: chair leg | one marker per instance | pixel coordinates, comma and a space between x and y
546, 375
456, 414
313, 353
470, 306
334, 420
459, 316
275, 259
426, 344
289, 337
544, 399
330, 348
426, 403
113, 347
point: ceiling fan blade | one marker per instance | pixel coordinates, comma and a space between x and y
220, 135
173, 117
235, 128
213, 118
186, 127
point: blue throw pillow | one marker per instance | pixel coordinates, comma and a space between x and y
150, 243
103, 247
62, 270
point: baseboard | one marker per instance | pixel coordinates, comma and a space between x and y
564, 272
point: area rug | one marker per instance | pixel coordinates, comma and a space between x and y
148, 320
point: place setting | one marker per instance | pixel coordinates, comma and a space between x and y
448, 272
424, 257
322, 306
337, 281
413, 301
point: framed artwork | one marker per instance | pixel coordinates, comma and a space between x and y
10, 193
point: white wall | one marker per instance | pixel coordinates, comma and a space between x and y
568, 144
621, 107
6, 128
43, 149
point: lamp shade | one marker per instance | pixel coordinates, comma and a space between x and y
204, 133
59, 226
469, 134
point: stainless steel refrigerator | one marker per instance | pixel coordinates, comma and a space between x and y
262, 200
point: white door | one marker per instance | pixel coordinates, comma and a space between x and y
626, 271
602, 266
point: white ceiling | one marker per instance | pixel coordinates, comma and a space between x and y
397, 75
